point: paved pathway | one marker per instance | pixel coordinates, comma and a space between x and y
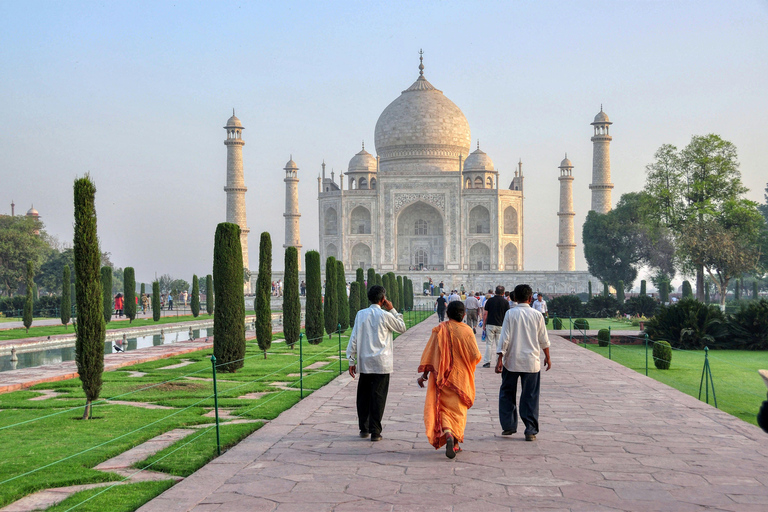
611, 439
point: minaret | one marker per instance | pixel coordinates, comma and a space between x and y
601, 164
566, 246
292, 215
235, 188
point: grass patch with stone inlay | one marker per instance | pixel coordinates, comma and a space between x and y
120, 498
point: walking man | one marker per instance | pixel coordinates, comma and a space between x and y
370, 346
523, 337
495, 309
472, 305
440, 305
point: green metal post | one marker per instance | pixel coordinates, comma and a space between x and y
609, 343
706, 378
301, 363
646, 355
216, 405
338, 330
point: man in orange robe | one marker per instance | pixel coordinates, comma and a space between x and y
451, 356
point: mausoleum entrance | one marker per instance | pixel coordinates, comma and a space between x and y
420, 239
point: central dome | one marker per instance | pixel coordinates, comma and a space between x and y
422, 130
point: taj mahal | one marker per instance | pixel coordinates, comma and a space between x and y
428, 204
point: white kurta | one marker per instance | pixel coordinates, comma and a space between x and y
370, 344
523, 337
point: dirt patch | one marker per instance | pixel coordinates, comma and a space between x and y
178, 386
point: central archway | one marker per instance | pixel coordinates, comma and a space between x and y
419, 237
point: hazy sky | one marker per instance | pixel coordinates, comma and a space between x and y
137, 94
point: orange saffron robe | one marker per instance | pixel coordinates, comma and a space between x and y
450, 356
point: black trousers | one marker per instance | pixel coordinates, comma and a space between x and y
372, 392
529, 400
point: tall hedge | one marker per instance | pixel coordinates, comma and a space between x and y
66, 304
264, 294
361, 282
229, 315
642, 287
589, 290
687, 290
341, 293
620, 292
156, 301
129, 292
29, 301
89, 345
194, 304
354, 301
330, 306
313, 317
379, 280
737, 290
209, 294
371, 281
664, 291
291, 300
606, 292
106, 293
409, 295
401, 293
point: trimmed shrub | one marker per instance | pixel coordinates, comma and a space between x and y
313, 321
557, 323
687, 290
603, 337
263, 295
601, 306
748, 327
29, 302
229, 316
643, 287
581, 323
589, 289
642, 305
106, 293
370, 282
662, 354
194, 304
379, 280
291, 299
688, 324
400, 294
565, 306
360, 278
664, 292
330, 308
89, 345
354, 301
606, 292
620, 292
209, 294
129, 292
156, 301
66, 305
341, 294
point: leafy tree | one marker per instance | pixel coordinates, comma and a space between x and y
341, 294
229, 315
89, 346
29, 303
313, 320
354, 301
129, 286
291, 299
264, 294
195, 302
156, 301
106, 292
19, 244
565, 306
643, 287
49, 278
209, 294
330, 306
361, 280
66, 304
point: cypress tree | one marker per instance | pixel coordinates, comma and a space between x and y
89, 347
354, 301
291, 299
589, 289
371, 281
106, 293
29, 301
409, 294
706, 292
400, 293
341, 294
35, 293
620, 292
209, 297
379, 280
66, 305
687, 290
129, 293
330, 308
143, 289
229, 316
73, 298
754, 289
642, 287
313, 320
263, 295
156, 301
385, 284
194, 304
605, 290
737, 290
361, 281
664, 291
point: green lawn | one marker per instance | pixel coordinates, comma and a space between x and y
52, 447
739, 388
598, 323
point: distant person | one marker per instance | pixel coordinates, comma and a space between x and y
454, 296
170, 302
450, 357
440, 304
144, 303
303, 288
472, 305
522, 340
495, 309
540, 305
119, 302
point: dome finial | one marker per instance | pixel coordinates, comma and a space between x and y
421, 62
478, 144
233, 110
363, 145
601, 107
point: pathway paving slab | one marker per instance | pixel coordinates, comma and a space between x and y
611, 439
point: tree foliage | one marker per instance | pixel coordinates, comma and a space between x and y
565, 306
129, 287
361, 281
66, 303
263, 294
330, 307
19, 244
341, 294
106, 293
313, 317
354, 301
291, 299
194, 304
209, 294
229, 315
29, 302
689, 324
89, 345
370, 282
156, 301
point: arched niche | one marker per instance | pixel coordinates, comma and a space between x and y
478, 182
331, 250
360, 221
480, 257
510, 257
373, 183
361, 256
363, 184
352, 184
510, 220
331, 222
479, 220
489, 182
420, 228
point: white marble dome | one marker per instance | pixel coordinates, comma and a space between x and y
234, 121
424, 127
478, 160
601, 117
566, 163
362, 162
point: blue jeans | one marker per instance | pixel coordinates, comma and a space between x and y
530, 385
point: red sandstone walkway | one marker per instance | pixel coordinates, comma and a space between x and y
611, 439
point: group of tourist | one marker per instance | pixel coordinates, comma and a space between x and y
277, 288
513, 329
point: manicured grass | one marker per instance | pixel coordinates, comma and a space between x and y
739, 388
597, 323
59, 449
120, 498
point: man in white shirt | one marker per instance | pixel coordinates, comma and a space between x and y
523, 337
472, 305
454, 296
540, 305
370, 346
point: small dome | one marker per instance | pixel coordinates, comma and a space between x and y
601, 117
478, 160
566, 163
233, 121
291, 165
362, 162
32, 212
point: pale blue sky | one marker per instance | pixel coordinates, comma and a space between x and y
136, 93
